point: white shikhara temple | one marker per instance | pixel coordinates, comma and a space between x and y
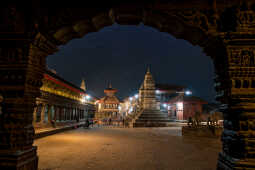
147, 95
150, 115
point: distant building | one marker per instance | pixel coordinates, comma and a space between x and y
147, 96
83, 86
108, 106
166, 92
60, 102
150, 114
182, 107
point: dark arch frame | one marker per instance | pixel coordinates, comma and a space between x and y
224, 29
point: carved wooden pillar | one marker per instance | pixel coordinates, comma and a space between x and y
235, 70
22, 64
19, 84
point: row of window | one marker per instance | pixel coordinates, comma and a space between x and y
111, 106
244, 83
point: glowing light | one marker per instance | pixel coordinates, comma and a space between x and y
164, 105
188, 92
119, 107
88, 97
136, 96
157, 91
130, 98
180, 105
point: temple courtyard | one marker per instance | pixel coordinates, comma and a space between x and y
127, 149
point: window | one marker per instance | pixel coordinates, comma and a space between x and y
253, 84
245, 84
237, 83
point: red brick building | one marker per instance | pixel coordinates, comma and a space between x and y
182, 107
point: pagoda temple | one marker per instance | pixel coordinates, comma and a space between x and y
108, 106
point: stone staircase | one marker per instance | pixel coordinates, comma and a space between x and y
151, 118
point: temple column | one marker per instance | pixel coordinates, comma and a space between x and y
22, 65
71, 113
47, 112
235, 72
66, 113
43, 112
54, 112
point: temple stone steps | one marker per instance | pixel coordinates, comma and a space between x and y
151, 124
152, 118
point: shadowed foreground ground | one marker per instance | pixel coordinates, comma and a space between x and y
126, 149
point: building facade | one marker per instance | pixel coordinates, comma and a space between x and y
182, 107
166, 92
108, 106
60, 102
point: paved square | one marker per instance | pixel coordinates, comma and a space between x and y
127, 149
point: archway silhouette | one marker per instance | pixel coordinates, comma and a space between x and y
224, 29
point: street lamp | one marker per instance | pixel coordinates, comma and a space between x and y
136, 96
188, 92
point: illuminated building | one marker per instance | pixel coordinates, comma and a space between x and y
108, 106
60, 102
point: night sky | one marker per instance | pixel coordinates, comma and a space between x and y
121, 54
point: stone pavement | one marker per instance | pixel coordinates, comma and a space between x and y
46, 131
126, 149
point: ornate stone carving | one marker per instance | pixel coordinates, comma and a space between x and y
246, 20
242, 57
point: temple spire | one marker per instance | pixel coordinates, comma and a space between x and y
83, 85
110, 86
148, 69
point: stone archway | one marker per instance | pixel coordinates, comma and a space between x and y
224, 29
